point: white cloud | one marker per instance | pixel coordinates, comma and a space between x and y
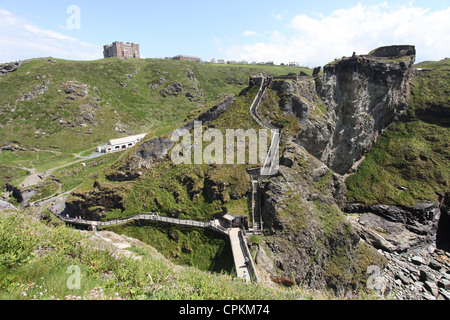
250, 33
316, 40
21, 40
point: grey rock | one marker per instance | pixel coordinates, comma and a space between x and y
172, 90
37, 91
9, 67
404, 279
417, 260
428, 296
432, 288
444, 283
444, 293
75, 90
383, 234
316, 71
426, 276
433, 264
362, 98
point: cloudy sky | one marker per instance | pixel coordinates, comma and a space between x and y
311, 33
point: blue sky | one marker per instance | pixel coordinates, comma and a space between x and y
308, 32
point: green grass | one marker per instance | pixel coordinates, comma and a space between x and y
74, 175
39, 160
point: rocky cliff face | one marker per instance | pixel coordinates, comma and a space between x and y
307, 238
341, 113
362, 95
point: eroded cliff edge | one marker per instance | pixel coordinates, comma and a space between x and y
362, 96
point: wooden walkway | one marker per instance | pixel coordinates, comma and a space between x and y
214, 224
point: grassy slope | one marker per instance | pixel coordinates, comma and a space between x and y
178, 190
119, 103
413, 153
35, 260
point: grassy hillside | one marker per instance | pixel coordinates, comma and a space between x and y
116, 97
186, 191
40, 261
409, 162
52, 108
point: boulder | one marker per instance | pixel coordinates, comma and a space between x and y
417, 260
444, 283
426, 276
432, 288
405, 280
444, 294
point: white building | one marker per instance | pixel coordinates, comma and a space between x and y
120, 144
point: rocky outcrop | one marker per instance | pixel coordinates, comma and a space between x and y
395, 228
297, 97
9, 67
191, 92
22, 196
75, 90
93, 205
400, 228
172, 90
341, 113
305, 232
37, 91
6, 206
362, 95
